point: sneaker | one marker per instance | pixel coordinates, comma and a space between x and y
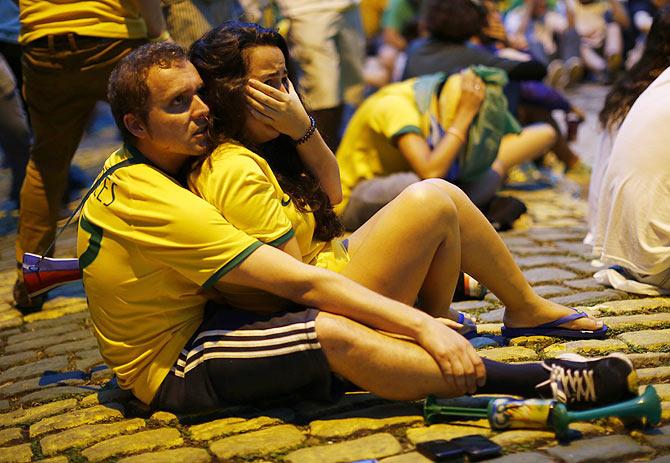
580, 382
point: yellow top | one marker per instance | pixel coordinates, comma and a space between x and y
147, 248
116, 19
242, 186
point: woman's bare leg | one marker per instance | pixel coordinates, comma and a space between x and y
533, 141
410, 248
485, 257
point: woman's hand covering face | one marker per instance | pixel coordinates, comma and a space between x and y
280, 108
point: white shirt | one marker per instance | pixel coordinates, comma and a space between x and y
632, 220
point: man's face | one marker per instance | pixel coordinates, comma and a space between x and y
178, 119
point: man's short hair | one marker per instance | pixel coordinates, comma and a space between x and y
127, 89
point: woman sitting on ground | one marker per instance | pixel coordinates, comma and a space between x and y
273, 177
629, 213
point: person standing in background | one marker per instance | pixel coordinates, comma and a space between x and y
69, 49
187, 20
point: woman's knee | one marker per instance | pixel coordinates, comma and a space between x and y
432, 200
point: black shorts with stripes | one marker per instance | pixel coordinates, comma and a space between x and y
238, 357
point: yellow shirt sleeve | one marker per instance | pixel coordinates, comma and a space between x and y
395, 116
246, 195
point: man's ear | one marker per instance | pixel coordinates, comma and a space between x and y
135, 126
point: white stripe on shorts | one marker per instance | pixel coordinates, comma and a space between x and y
310, 343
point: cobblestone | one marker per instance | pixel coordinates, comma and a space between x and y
590, 347
411, 457
628, 322
270, 440
23, 416
16, 454
229, 426
374, 446
587, 297
509, 354
547, 274
133, 443
522, 437
77, 418
348, 426
651, 340
526, 457
190, 455
87, 434
10, 435
33, 369
443, 431
607, 448
651, 304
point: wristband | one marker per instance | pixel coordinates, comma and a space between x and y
457, 133
164, 37
308, 134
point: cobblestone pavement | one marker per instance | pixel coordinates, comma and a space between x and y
59, 403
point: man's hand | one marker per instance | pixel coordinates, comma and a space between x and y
462, 368
281, 110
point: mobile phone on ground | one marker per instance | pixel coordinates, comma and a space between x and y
477, 447
441, 450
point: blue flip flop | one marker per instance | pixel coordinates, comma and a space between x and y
469, 329
554, 329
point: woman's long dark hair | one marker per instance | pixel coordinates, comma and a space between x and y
654, 60
218, 57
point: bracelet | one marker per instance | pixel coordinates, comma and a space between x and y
308, 134
164, 37
457, 133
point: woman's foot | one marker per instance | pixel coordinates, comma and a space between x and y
544, 311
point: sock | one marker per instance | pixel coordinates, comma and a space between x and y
515, 379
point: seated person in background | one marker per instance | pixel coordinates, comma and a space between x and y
148, 248
628, 210
423, 128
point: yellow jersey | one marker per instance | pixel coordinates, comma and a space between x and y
148, 247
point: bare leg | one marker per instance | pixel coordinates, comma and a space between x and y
386, 366
485, 257
410, 248
533, 141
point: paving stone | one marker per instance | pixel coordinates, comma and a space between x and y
56, 392
547, 274
627, 322
87, 343
587, 297
89, 359
77, 418
385, 411
658, 438
9, 435
191, 455
229, 426
542, 260
54, 303
557, 236
653, 375
663, 459
33, 369
587, 347
57, 313
39, 342
44, 332
57, 321
536, 343
164, 417
574, 247
492, 316
581, 267
662, 389
12, 322
516, 241
551, 290
369, 447
18, 387
604, 449
443, 431
132, 443
535, 250
85, 435
471, 305
16, 454
4, 405
54, 460
522, 437
509, 354
102, 374
650, 359
648, 304
269, 440
348, 426
489, 328
650, 340
23, 416
585, 283
525, 457
8, 360
411, 457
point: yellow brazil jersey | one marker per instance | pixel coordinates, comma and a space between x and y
242, 186
147, 247
368, 146
116, 19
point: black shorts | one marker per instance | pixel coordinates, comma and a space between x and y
244, 358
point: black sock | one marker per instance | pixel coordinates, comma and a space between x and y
514, 379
